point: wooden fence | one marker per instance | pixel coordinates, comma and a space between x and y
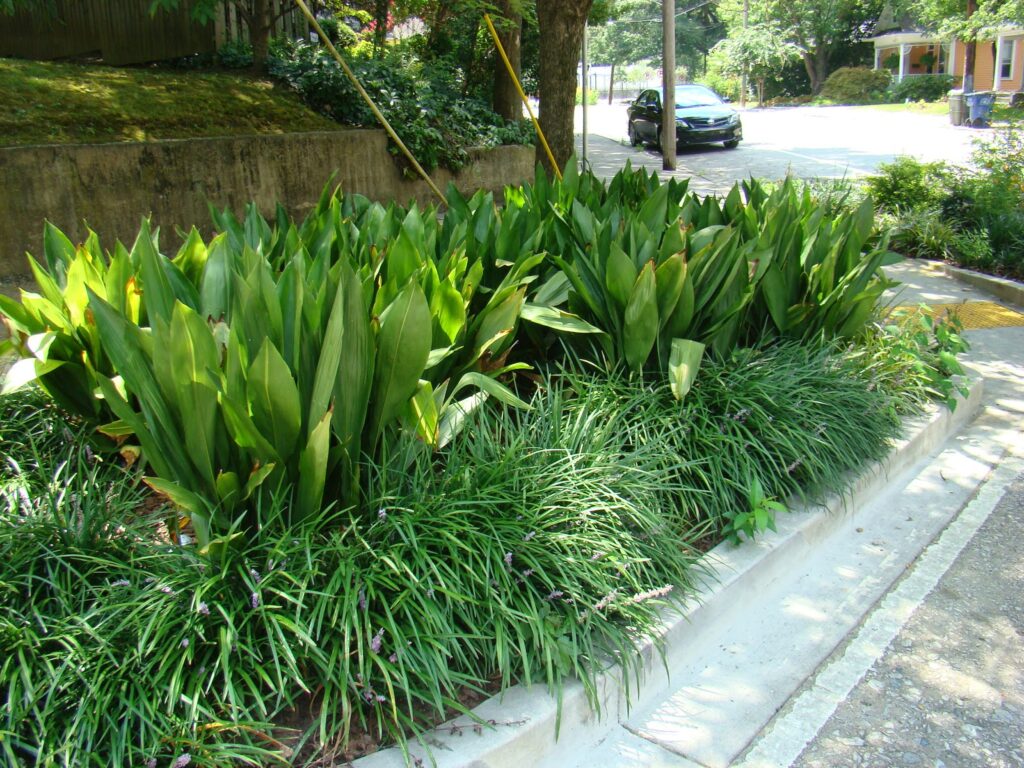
124, 31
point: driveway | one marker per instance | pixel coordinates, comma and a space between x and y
807, 142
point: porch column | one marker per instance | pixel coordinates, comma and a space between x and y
903, 62
996, 64
878, 56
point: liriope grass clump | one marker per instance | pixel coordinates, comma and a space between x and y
536, 549
759, 427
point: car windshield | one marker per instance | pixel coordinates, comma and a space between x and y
693, 96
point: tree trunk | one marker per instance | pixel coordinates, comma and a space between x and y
259, 35
816, 64
970, 51
611, 84
380, 29
561, 24
510, 33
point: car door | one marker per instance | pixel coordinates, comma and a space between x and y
648, 115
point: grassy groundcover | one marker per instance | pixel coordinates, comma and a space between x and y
540, 545
57, 103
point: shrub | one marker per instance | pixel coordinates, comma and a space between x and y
855, 85
971, 248
920, 88
724, 85
241, 368
907, 183
423, 104
920, 232
913, 356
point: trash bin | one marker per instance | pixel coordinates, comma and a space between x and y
980, 105
956, 107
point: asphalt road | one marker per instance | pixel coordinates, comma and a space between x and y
807, 142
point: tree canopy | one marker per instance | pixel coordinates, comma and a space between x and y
817, 28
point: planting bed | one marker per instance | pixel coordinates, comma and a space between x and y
405, 459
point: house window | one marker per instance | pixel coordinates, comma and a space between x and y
1006, 57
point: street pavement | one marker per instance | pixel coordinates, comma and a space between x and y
806, 142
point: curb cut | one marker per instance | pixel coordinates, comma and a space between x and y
529, 727
1009, 291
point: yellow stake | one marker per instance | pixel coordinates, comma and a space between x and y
366, 97
522, 95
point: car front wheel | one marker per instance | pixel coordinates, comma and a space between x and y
634, 140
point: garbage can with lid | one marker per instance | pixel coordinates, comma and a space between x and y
980, 105
956, 107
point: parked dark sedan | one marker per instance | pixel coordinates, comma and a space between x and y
702, 117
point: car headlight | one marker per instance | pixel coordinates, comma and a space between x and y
734, 118
681, 123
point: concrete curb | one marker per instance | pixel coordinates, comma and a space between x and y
1007, 290
527, 727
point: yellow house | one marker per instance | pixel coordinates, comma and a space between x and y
907, 50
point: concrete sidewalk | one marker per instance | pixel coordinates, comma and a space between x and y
947, 689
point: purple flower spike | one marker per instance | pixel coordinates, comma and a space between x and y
203, 609
382, 514
183, 759
255, 575
184, 642
151, 763
362, 599
254, 601
508, 559
529, 536
376, 641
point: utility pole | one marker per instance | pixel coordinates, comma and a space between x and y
743, 75
668, 85
583, 95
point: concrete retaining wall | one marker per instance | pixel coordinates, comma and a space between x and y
112, 186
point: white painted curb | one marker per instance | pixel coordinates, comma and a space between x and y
527, 720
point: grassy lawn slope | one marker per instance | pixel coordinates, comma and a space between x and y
51, 103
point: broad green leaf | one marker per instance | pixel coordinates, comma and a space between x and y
244, 432
640, 323
158, 296
356, 367
455, 415
498, 321
620, 275
58, 251
556, 319
670, 277
403, 345
421, 413
25, 371
313, 469
492, 387
683, 364
330, 357
274, 400
449, 311
131, 354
